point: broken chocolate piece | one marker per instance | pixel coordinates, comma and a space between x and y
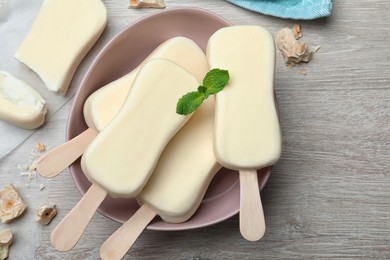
147, 4
11, 204
293, 51
6, 239
46, 212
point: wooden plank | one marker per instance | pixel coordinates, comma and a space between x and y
328, 195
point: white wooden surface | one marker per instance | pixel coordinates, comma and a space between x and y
328, 197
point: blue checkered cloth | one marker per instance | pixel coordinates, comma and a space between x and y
292, 9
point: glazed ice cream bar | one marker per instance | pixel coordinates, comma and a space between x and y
101, 107
104, 104
122, 157
178, 183
184, 170
61, 35
20, 104
247, 133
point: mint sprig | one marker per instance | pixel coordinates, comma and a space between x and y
189, 102
214, 81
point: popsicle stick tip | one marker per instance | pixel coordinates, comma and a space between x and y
68, 232
42, 170
117, 245
55, 161
252, 224
58, 245
109, 254
252, 236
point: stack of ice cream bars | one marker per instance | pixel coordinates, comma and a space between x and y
137, 146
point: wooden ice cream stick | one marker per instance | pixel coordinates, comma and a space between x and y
252, 224
55, 161
65, 236
117, 245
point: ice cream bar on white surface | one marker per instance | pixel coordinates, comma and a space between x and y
61, 35
20, 104
122, 157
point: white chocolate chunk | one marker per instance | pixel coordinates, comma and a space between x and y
11, 204
20, 104
104, 104
293, 51
45, 213
147, 4
185, 169
6, 239
61, 35
122, 157
247, 133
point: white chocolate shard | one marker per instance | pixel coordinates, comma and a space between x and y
6, 239
159, 4
46, 212
61, 35
11, 204
20, 104
293, 51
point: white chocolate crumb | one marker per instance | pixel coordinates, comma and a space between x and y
30, 175
40, 147
46, 212
11, 204
317, 48
22, 167
147, 4
302, 72
42, 186
33, 166
30, 170
293, 51
6, 239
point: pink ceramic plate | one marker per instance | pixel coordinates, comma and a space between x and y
121, 55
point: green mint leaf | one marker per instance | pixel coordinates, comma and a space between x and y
215, 80
189, 102
203, 90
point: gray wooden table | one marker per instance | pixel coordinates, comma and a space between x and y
329, 195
